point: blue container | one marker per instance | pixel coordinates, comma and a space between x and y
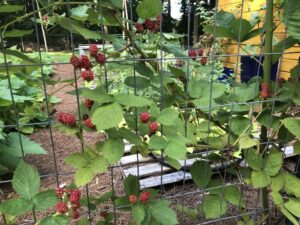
251, 68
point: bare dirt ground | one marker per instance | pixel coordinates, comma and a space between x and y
53, 162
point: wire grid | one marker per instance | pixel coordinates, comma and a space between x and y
162, 60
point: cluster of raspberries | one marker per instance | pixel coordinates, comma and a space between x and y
265, 91
67, 119
84, 62
70, 202
153, 126
144, 197
193, 53
86, 120
151, 25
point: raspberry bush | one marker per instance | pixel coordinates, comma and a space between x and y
178, 109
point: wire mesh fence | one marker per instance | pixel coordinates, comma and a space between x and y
219, 121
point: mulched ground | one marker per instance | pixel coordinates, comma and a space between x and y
64, 145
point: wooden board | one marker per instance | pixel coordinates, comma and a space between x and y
153, 174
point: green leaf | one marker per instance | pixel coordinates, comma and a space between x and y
279, 48
10, 8
173, 162
76, 160
161, 212
233, 195
26, 181
168, 117
291, 185
214, 206
201, 89
245, 93
131, 100
143, 70
132, 185
260, 179
266, 119
289, 216
137, 82
277, 199
86, 174
245, 142
138, 213
149, 9
277, 182
76, 27
201, 173
254, 159
45, 200
253, 33
17, 33
83, 221
273, 163
239, 125
296, 148
97, 95
113, 150
80, 13
293, 205
292, 18
293, 125
157, 143
176, 149
55, 220
16, 207
13, 147
130, 136
107, 116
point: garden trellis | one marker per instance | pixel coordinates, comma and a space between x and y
144, 126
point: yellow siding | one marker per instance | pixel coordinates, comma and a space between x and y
290, 56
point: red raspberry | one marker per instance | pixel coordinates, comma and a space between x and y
45, 18
74, 196
203, 61
153, 126
200, 52
133, 199
89, 124
192, 54
75, 214
87, 75
88, 103
264, 86
93, 49
139, 28
144, 197
59, 192
265, 93
61, 207
67, 119
84, 62
100, 58
144, 117
74, 60
150, 25
158, 19
76, 205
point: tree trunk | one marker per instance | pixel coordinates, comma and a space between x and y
196, 24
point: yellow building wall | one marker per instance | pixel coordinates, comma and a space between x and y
256, 7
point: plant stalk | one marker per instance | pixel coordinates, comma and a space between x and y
266, 77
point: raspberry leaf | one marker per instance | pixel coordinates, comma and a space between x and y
55, 220
138, 213
107, 116
132, 185
26, 181
113, 150
45, 200
260, 179
161, 212
168, 117
16, 207
201, 173
149, 9
131, 100
214, 206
